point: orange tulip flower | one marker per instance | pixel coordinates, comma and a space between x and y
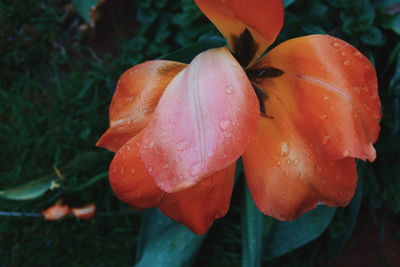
298, 116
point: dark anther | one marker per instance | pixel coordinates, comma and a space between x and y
262, 96
244, 47
258, 75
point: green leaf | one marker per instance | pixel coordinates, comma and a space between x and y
163, 242
287, 3
252, 229
288, 236
32, 189
340, 233
373, 37
186, 54
83, 8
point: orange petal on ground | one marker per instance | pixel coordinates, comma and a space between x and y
263, 18
198, 206
329, 90
287, 175
129, 178
136, 96
56, 212
86, 212
203, 122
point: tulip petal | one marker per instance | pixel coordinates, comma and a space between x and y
263, 19
329, 90
287, 175
203, 122
198, 206
129, 178
136, 96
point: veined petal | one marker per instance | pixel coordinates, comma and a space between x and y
287, 175
262, 18
329, 90
129, 178
203, 122
136, 96
198, 206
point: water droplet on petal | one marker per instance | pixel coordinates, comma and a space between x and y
318, 169
325, 139
326, 98
150, 169
278, 163
284, 149
346, 62
288, 162
122, 170
133, 171
357, 54
225, 124
194, 169
323, 117
229, 89
346, 153
166, 166
343, 53
295, 162
182, 145
128, 148
335, 45
323, 181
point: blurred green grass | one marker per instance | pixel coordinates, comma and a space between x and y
55, 87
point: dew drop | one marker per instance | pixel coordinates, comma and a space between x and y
194, 169
295, 162
357, 54
229, 89
182, 145
323, 181
325, 139
323, 117
342, 53
338, 177
286, 173
128, 148
210, 154
284, 196
335, 45
114, 169
346, 62
346, 153
225, 124
122, 171
166, 166
288, 162
284, 149
224, 156
326, 98
278, 163
133, 171
150, 169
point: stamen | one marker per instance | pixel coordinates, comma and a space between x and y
244, 47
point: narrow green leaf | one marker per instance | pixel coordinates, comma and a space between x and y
32, 189
285, 237
252, 229
83, 8
287, 3
186, 54
163, 242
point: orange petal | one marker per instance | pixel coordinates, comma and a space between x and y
85, 212
329, 90
129, 178
136, 96
203, 122
262, 18
198, 206
287, 175
56, 212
